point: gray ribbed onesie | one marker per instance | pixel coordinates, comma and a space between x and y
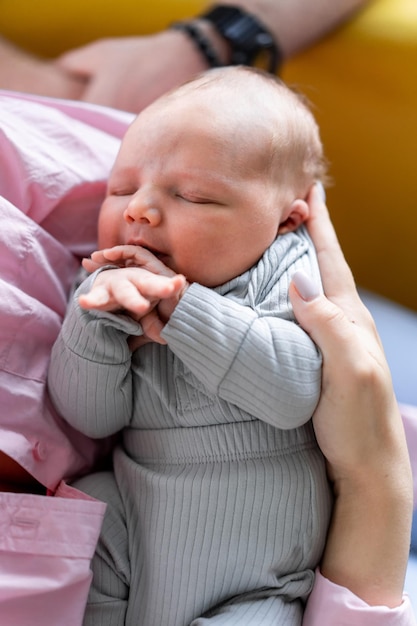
219, 503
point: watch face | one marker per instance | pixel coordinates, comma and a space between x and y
250, 41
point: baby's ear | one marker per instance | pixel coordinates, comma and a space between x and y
294, 216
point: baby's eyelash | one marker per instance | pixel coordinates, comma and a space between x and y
194, 199
121, 192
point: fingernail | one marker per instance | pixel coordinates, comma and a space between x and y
305, 286
321, 190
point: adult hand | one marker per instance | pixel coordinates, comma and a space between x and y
358, 427
130, 72
20, 71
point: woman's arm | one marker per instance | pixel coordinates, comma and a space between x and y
359, 429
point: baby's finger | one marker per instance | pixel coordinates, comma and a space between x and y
152, 327
97, 298
90, 266
155, 286
121, 295
100, 258
127, 296
130, 255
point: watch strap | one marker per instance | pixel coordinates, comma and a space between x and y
247, 36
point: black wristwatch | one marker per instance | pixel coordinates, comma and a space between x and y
249, 39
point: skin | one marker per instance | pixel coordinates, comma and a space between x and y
130, 72
192, 192
21, 71
206, 199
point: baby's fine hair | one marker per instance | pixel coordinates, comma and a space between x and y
295, 145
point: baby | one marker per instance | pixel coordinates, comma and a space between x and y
182, 339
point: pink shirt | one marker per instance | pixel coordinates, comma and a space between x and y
55, 157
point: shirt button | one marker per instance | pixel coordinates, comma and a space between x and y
39, 451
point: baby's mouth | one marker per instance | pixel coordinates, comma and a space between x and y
140, 244
159, 255
156, 253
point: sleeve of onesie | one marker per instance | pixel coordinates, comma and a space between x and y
266, 365
330, 604
89, 377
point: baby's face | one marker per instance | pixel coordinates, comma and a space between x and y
194, 190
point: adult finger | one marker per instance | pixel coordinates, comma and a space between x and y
323, 320
333, 266
338, 282
356, 417
83, 60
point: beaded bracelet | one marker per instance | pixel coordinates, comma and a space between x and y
250, 41
200, 41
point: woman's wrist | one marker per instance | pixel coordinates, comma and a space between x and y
368, 541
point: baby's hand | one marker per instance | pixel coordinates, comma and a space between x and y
133, 289
127, 256
154, 321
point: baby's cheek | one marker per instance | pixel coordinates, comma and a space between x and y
110, 231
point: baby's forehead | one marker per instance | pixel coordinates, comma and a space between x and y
218, 92
223, 143
224, 107
251, 112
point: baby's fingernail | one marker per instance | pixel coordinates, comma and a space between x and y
305, 286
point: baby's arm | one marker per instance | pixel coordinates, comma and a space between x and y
267, 366
89, 377
245, 345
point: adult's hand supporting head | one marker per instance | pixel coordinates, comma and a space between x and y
358, 427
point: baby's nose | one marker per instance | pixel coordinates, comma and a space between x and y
140, 209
